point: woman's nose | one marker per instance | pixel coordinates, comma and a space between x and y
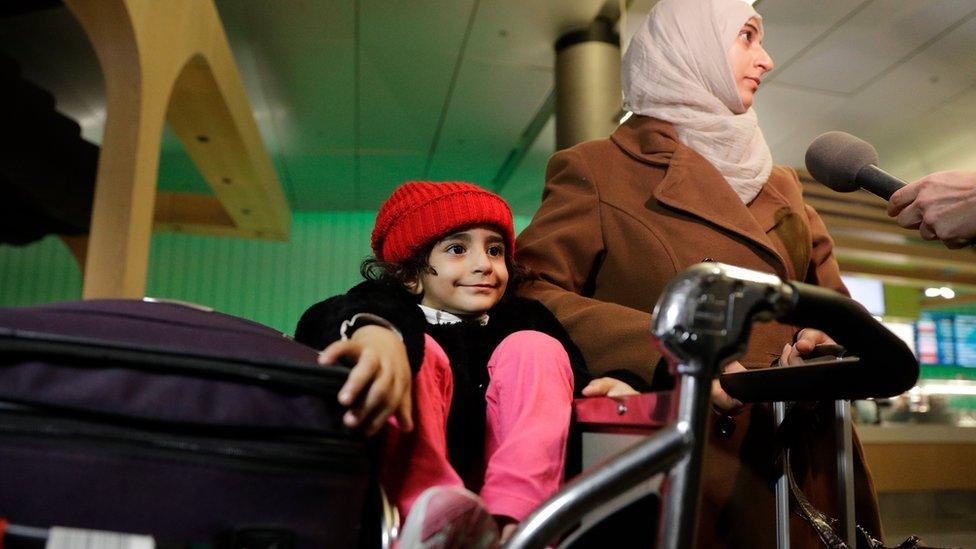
764, 60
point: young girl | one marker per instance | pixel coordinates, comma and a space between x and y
494, 374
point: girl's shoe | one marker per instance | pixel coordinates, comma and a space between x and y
448, 517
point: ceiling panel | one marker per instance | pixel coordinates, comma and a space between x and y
296, 59
788, 35
900, 101
505, 77
891, 112
871, 42
523, 32
408, 55
305, 51
524, 188
495, 103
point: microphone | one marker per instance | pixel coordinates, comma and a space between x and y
846, 163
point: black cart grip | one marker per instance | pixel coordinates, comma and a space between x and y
887, 366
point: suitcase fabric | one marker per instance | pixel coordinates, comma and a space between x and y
185, 424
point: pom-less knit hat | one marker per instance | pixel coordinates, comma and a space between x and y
419, 212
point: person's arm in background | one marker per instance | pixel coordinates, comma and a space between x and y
382, 339
942, 206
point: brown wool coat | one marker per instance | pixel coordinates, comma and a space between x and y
619, 218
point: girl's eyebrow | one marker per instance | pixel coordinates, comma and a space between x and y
462, 236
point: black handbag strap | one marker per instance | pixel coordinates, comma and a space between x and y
788, 432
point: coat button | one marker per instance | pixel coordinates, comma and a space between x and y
724, 426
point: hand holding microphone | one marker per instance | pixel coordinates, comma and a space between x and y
942, 206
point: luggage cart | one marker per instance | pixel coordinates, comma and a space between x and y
702, 322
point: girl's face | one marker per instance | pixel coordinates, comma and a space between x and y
749, 61
467, 274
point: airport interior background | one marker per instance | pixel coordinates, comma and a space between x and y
266, 191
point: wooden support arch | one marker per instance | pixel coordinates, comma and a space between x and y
170, 61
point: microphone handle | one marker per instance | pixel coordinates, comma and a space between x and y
877, 181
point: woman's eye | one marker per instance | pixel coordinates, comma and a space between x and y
746, 35
496, 251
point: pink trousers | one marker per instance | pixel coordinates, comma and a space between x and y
529, 401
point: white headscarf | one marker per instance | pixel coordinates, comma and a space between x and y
676, 70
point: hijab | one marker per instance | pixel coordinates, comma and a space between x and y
676, 70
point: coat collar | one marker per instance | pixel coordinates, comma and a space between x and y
691, 184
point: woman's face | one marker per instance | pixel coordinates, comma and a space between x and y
749, 61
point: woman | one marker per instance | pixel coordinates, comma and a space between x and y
689, 178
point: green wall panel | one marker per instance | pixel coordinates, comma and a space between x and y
42, 272
268, 282
902, 301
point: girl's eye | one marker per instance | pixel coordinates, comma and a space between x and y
455, 249
496, 251
747, 34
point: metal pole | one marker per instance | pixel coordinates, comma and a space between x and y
598, 487
845, 471
681, 491
782, 487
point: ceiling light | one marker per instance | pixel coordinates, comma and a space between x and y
945, 292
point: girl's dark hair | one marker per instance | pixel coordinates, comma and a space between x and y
400, 275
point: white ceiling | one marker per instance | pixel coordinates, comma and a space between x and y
898, 73
355, 96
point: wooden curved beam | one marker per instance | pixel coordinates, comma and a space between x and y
170, 61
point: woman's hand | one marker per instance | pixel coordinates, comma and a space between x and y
379, 385
608, 386
806, 340
721, 400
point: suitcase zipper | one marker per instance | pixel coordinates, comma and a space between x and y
305, 378
217, 445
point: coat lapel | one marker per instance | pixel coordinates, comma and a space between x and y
692, 185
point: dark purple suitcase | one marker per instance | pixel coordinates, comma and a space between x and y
177, 422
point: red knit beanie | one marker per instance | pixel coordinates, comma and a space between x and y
419, 212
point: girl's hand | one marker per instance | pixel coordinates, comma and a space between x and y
379, 385
608, 386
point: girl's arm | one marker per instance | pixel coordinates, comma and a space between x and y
381, 337
322, 324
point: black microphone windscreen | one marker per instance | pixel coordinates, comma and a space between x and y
835, 158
